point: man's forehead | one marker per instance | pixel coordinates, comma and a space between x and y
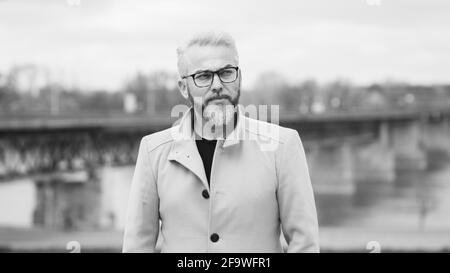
209, 57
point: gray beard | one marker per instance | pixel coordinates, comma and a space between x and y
215, 115
218, 115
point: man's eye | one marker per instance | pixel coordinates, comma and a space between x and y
204, 76
227, 72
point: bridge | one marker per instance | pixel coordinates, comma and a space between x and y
30, 145
121, 121
90, 151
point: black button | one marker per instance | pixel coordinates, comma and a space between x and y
214, 237
205, 194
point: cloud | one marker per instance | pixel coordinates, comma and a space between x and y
100, 43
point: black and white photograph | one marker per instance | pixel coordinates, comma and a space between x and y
233, 127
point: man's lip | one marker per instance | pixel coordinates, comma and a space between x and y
218, 99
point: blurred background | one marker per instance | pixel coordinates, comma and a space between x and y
365, 82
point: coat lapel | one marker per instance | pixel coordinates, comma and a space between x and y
184, 150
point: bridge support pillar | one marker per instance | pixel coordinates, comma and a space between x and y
436, 140
408, 147
67, 201
331, 168
375, 161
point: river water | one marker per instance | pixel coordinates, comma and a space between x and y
413, 199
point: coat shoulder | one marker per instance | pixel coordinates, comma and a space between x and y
157, 139
267, 130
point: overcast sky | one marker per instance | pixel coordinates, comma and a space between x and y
100, 43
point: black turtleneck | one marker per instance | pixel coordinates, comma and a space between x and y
206, 150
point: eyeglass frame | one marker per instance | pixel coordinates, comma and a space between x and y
214, 73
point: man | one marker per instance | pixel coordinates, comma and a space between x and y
210, 181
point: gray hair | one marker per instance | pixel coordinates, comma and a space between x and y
205, 39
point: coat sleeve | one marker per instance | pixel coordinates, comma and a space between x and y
142, 224
296, 198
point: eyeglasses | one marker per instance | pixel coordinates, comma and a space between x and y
205, 78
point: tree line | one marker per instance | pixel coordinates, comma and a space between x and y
156, 93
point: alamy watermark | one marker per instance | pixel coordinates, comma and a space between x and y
73, 247
265, 131
73, 2
374, 247
373, 2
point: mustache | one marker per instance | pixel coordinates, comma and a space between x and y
218, 97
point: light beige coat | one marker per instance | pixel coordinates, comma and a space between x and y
260, 186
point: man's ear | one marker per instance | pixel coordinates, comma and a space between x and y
240, 78
182, 86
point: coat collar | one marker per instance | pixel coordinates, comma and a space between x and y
185, 131
185, 150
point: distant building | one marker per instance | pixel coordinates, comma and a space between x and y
130, 104
375, 98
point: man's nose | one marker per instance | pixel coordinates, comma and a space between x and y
216, 85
